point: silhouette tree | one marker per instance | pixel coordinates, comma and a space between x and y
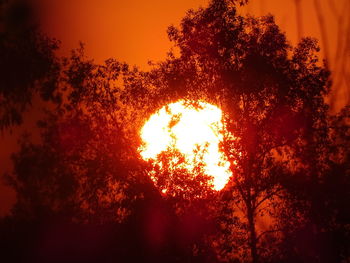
83, 175
85, 150
318, 193
289, 158
271, 93
28, 65
86, 174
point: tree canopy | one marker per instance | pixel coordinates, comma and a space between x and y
28, 65
287, 198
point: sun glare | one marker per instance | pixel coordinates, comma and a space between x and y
188, 128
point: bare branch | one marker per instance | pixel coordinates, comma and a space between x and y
322, 29
299, 19
267, 232
267, 197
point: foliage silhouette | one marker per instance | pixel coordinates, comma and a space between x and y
28, 65
289, 157
271, 93
319, 196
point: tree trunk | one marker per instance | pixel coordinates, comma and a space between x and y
252, 233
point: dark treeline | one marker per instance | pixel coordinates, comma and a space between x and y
84, 194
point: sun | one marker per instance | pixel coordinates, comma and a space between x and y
188, 128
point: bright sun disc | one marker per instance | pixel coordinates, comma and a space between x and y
185, 127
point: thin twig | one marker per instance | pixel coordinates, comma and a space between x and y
323, 30
299, 19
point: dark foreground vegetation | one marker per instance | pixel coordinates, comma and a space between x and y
84, 194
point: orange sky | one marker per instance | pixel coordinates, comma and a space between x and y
134, 31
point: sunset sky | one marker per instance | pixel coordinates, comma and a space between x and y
134, 31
